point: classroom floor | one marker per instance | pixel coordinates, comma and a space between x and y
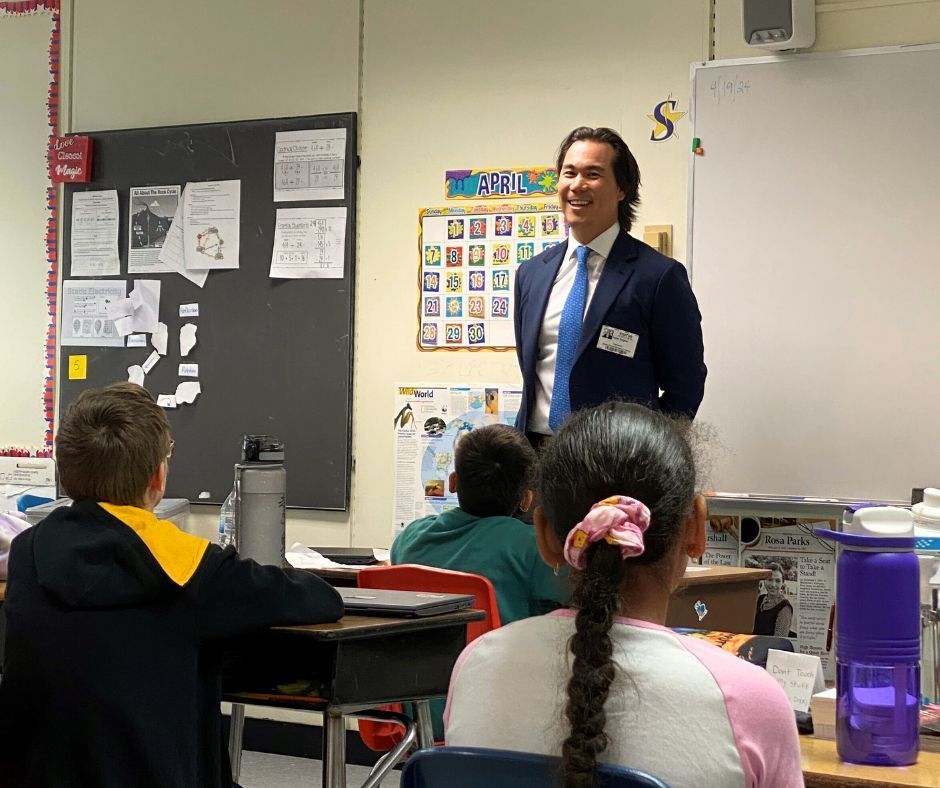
263, 770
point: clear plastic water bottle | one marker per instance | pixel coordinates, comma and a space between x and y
227, 520
877, 637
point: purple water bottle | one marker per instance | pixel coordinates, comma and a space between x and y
877, 637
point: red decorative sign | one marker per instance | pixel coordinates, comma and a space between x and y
70, 159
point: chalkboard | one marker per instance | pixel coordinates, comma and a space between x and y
813, 240
274, 355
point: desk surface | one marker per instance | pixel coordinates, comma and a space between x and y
354, 627
694, 575
823, 769
707, 575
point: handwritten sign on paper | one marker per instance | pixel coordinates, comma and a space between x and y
800, 675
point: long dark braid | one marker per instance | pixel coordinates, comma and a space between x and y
612, 449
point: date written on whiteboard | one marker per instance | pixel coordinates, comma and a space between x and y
729, 88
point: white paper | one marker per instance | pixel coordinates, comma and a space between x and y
166, 400
151, 362
159, 338
300, 556
95, 233
187, 391
85, 318
187, 338
211, 219
172, 253
800, 675
124, 325
309, 165
136, 374
189, 310
309, 243
151, 210
121, 307
137, 312
137, 340
189, 370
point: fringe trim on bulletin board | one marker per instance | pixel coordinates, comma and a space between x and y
52, 248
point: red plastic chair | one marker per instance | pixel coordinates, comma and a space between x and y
382, 736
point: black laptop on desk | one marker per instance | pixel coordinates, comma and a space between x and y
348, 556
401, 604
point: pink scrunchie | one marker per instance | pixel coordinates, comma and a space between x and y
618, 520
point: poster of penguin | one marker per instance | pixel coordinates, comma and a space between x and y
429, 422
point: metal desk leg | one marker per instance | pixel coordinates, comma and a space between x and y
334, 750
236, 729
425, 726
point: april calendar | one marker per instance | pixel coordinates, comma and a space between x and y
467, 264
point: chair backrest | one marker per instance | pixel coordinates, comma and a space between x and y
413, 577
470, 767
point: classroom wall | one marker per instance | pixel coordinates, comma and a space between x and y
486, 84
24, 45
438, 84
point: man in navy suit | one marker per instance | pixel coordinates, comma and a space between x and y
640, 334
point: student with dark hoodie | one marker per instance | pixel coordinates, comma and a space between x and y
112, 667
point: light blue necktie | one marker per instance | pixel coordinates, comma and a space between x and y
569, 334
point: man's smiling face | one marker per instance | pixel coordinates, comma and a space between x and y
588, 189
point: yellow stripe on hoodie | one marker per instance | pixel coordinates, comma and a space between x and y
178, 553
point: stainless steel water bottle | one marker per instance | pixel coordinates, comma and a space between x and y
261, 500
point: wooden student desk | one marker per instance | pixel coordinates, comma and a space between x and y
728, 593
352, 665
823, 769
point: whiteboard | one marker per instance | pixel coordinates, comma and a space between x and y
815, 257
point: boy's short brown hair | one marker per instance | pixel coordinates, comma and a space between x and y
110, 443
495, 465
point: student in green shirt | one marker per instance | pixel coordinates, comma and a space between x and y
493, 477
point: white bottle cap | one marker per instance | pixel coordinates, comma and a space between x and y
927, 513
884, 521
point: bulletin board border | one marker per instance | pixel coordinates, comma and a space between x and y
51, 239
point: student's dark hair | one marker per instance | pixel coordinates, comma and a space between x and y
495, 465
626, 170
616, 448
109, 444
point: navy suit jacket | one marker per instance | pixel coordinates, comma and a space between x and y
640, 291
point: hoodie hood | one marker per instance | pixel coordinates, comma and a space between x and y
93, 555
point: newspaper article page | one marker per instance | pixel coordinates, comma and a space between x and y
429, 422
796, 600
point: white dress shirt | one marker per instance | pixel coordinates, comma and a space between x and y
548, 336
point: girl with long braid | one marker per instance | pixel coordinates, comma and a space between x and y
604, 680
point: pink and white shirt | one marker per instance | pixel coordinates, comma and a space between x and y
679, 708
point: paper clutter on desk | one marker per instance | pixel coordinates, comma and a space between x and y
300, 556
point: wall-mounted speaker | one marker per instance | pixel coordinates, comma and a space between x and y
779, 24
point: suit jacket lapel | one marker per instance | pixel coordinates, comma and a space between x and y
541, 289
617, 271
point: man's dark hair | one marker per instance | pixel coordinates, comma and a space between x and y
626, 170
110, 443
495, 465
